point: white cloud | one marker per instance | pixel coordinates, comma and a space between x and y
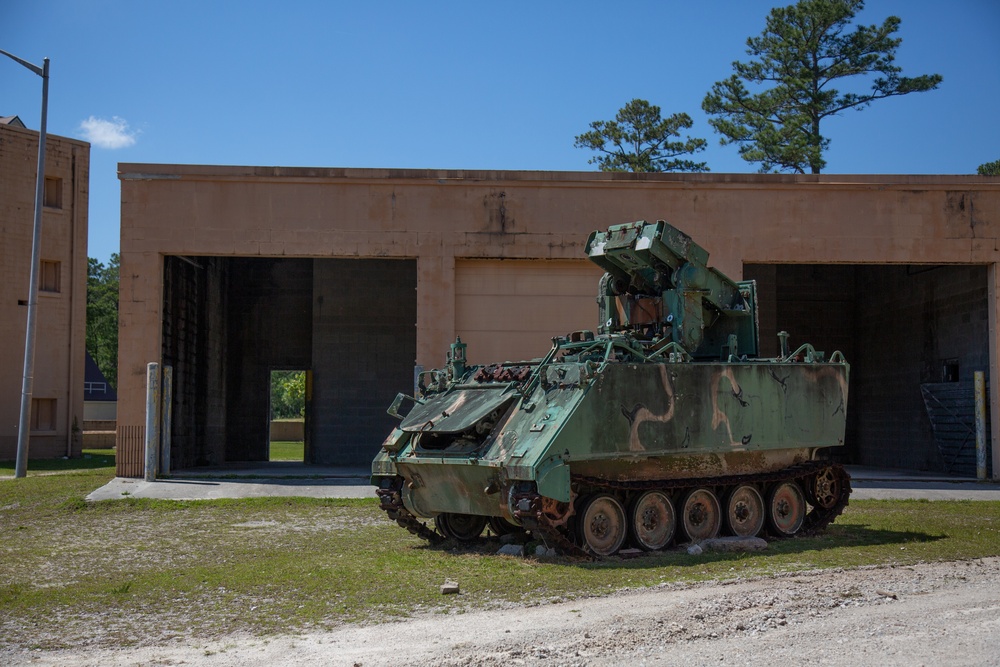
111, 134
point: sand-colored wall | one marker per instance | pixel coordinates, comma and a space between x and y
61, 316
439, 216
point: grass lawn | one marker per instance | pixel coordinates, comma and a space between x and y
133, 571
287, 450
91, 459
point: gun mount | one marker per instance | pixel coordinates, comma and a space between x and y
659, 286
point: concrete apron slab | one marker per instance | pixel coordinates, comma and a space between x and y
211, 489
245, 481
893, 484
923, 491
296, 479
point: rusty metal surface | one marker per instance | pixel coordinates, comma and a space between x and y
817, 477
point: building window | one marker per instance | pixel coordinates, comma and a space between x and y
43, 414
48, 276
53, 192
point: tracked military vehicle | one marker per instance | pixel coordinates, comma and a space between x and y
662, 426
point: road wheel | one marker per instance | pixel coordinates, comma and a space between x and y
701, 515
602, 526
461, 527
786, 509
654, 521
745, 511
501, 526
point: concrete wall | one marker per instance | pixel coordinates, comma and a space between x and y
229, 322
100, 410
270, 328
897, 325
364, 347
910, 320
193, 344
293, 430
434, 217
60, 321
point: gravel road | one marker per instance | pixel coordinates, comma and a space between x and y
937, 614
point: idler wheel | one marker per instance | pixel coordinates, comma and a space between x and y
654, 521
825, 488
602, 526
701, 515
786, 509
745, 511
461, 527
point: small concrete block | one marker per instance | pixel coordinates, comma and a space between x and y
544, 552
729, 544
449, 588
695, 550
511, 550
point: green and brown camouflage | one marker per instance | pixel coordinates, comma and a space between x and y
666, 406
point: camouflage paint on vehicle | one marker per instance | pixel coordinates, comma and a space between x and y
668, 394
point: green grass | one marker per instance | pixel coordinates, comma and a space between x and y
287, 450
134, 567
91, 459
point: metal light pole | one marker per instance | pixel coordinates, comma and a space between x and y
21, 465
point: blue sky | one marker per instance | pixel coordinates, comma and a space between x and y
456, 85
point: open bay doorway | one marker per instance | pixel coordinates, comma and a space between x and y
289, 402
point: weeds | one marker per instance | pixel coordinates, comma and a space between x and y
122, 590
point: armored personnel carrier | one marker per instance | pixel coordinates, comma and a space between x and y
662, 426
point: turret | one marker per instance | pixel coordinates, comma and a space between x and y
658, 286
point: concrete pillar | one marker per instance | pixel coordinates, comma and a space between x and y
993, 298
140, 306
153, 410
166, 417
435, 309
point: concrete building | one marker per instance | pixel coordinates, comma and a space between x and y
100, 400
57, 392
364, 276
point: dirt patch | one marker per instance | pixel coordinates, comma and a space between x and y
935, 613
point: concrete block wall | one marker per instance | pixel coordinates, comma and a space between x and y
227, 322
910, 320
293, 430
212, 399
99, 433
185, 335
962, 319
230, 321
98, 439
270, 328
364, 351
